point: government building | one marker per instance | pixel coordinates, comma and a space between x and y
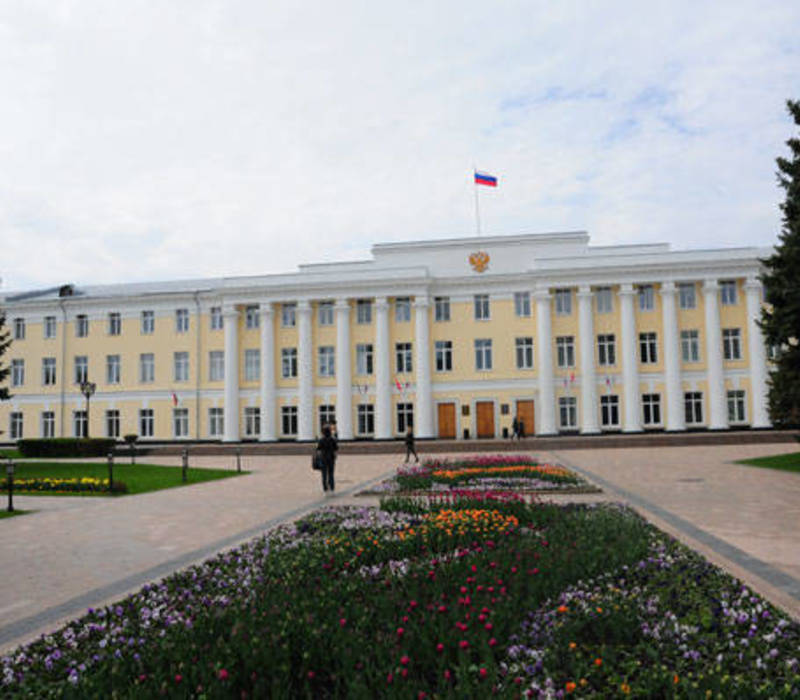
454, 338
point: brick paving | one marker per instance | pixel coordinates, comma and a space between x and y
75, 553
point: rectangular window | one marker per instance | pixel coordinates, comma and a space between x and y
405, 417
441, 308
731, 344
403, 356
79, 424
216, 365
327, 415
81, 373
648, 353
216, 422
216, 318
443, 350
563, 302
565, 351
112, 423
402, 309
736, 406
366, 419
252, 421
19, 329
289, 421
252, 364
81, 325
251, 317
690, 346
148, 322
48, 424
288, 363
606, 350
693, 407
327, 361
113, 369
481, 304
182, 320
364, 311
603, 299
522, 304
686, 295
647, 301
181, 366
568, 412
15, 425
524, 351
325, 313
727, 292
364, 358
483, 354
147, 367
48, 371
651, 409
146, 422
17, 372
114, 323
289, 315
49, 326
609, 411
180, 422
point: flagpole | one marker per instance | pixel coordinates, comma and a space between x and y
477, 208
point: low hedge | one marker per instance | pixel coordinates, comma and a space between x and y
66, 447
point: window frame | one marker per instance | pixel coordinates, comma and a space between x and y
648, 348
50, 326
647, 297
325, 313
565, 351
403, 355
216, 365
693, 407
289, 314
563, 301
609, 411
289, 363
252, 421
252, 364
443, 349
147, 368
651, 409
607, 350
147, 422
402, 309
113, 368
82, 326
604, 300
441, 309
483, 354
690, 345
728, 293
481, 307
49, 371
731, 344
523, 352
522, 304
365, 364
363, 312
687, 295
182, 320
147, 322
326, 360
568, 406
365, 419
114, 323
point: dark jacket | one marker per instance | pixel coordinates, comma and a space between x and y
410, 440
328, 445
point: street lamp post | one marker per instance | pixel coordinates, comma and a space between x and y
87, 389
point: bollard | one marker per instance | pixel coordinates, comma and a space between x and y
10, 475
185, 461
239, 460
111, 472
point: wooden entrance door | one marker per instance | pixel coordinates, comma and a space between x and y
485, 413
525, 414
447, 420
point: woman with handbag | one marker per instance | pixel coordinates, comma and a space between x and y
326, 449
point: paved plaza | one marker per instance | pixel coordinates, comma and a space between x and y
74, 552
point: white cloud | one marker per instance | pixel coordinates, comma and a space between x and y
165, 140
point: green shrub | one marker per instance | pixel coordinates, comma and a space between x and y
66, 447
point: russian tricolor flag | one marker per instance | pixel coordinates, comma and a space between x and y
485, 179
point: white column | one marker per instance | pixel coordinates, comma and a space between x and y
268, 393
424, 407
546, 408
672, 358
344, 378
231, 323
630, 366
757, 354
588, 380
717, 401
383, 386
305, 373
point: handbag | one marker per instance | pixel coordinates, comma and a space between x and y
317, 460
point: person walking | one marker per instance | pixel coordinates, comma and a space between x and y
410, 446
515, 428
328, 445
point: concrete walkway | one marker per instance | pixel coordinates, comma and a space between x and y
75, 553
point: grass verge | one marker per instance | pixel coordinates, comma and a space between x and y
786, 463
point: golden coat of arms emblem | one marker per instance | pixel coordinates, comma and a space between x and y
479, 261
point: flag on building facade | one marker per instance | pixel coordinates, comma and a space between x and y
485, 179
174, 399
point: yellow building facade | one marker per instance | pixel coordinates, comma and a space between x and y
452, 338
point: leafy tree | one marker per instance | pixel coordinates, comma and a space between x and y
5, 341
781, 320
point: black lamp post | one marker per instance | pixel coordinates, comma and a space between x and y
10, 477
87, 389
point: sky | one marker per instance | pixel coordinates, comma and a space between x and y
152, 140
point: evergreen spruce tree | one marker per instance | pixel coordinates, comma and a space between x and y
781, 320
5, 341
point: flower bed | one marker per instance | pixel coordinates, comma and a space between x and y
55, 485
472, 597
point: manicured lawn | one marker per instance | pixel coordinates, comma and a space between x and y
787, 463
5, 514
138, 478
10, 452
